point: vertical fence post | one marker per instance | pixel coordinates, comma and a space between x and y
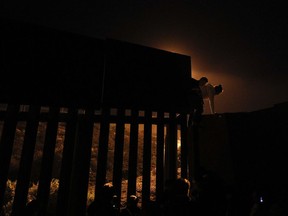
133, 153
81, 164
67, 159
6, 146
146, 159
48, 159
160, 157
193, 152
26, 160
171, 149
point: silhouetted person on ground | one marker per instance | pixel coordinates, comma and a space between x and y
196, 102
106, 204
278, 203
131, 208
179, 202
212, 198
260, 204
32, 208
209, 92
168, 193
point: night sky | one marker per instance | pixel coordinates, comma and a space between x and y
239, 44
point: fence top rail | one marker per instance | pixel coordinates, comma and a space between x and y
113, 116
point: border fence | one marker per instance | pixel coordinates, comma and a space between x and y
58, 78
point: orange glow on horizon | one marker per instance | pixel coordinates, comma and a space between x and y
172, 47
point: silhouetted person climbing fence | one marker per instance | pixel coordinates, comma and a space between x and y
195, 100
209, 92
